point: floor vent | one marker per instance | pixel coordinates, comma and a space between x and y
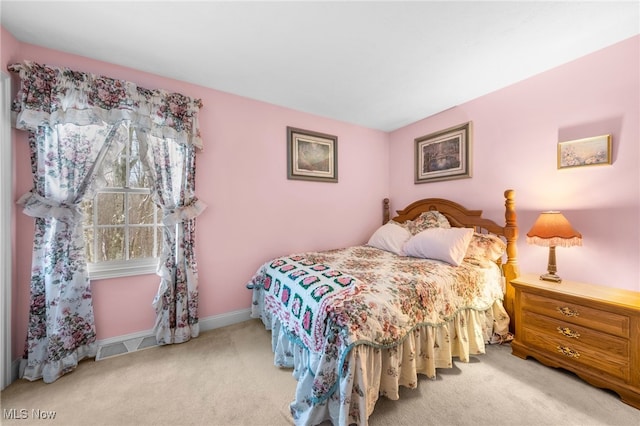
125, 347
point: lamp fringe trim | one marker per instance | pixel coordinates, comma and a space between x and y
555, 241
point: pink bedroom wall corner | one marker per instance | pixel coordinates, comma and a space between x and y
253, 209
516, 131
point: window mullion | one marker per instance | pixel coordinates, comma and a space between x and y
157, 248
94, 225
126, 227
126, 196
156, 229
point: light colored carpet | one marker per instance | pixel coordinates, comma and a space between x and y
226, 377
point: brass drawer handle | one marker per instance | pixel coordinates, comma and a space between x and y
567, 312
568, 352
566, 331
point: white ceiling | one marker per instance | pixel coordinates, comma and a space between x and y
381, 65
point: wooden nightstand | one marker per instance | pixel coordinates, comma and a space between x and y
591, 330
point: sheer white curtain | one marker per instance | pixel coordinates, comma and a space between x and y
75, 128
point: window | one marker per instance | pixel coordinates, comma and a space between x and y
122, 228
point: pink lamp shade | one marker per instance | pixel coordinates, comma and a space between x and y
552, 229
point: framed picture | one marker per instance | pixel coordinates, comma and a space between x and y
311, 155
585, 152
444, 155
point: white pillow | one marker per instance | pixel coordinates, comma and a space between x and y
448, 245
390, 237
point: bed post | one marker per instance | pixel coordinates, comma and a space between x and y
510, 269
385, 211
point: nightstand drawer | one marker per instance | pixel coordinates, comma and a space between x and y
595, 319
576, 353
572, 334
591, 330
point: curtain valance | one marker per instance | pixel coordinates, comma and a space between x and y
51, 95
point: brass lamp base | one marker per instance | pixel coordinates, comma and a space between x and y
551, 277
551, 268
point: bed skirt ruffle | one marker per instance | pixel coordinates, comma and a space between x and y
370, 371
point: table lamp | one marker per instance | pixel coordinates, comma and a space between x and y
552, 229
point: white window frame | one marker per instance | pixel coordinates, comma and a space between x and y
126, 267
6, 220
122, 268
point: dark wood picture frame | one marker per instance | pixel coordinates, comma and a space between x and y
311, 155
444, 155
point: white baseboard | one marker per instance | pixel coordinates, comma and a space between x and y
224, 320
206, 324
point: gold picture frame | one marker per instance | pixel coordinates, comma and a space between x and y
593, 151
311, 155
444, 155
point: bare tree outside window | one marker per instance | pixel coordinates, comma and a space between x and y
121, 223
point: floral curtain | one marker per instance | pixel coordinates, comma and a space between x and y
74, 119
176, 303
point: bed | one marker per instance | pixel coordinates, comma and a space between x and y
356, 323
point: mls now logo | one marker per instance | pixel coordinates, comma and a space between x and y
22, 414
15, 414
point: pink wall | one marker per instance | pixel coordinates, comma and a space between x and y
515, 136
254, 212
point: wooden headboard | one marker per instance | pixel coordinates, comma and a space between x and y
460, 216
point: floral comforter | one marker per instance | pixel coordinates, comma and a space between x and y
379, 299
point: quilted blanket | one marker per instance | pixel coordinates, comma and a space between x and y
299, 290
331, 301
